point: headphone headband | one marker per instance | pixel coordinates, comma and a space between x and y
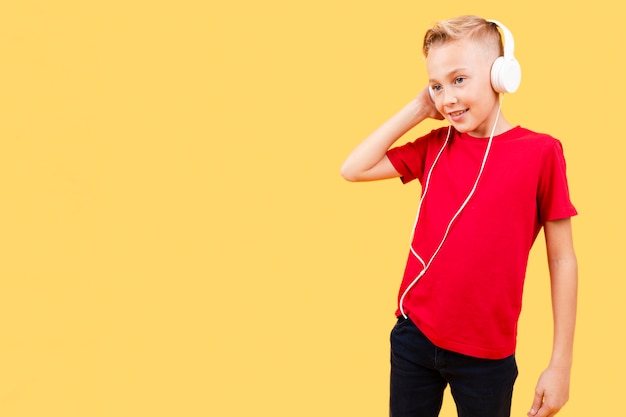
509, 43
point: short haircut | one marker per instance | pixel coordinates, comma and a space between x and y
471, 27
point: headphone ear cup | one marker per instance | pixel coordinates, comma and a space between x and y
506, 75
431, 94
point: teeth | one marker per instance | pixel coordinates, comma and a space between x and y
456, 113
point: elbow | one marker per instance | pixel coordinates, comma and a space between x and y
568, 262
348, 174
348, 177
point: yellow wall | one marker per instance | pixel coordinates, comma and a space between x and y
176, 239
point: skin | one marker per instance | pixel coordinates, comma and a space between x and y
552, 390
459, 74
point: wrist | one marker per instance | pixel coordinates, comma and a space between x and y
415, 112
561, 362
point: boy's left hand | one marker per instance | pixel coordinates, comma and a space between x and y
551, 393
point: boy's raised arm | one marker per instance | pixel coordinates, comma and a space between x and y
552, 391
368, 161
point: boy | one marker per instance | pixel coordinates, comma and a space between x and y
488, 187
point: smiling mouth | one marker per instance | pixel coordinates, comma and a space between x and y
457, 113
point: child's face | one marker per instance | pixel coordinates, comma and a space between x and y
459, 73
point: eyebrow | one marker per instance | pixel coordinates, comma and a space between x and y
454, 71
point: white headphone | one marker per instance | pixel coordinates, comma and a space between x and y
506, 73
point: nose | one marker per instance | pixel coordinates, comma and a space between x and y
449, 97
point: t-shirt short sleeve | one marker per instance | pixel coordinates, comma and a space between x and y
408, 159
553, 198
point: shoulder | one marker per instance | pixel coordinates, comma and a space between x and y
435, 137
531, 135
438, 135
540, 137
535, 141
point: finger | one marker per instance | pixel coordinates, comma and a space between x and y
545, 410
537, 403
542, 412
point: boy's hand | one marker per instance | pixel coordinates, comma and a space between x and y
551, 393
423, 99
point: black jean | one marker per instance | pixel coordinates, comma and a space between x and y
420, 372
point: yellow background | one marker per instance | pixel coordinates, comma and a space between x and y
176, 239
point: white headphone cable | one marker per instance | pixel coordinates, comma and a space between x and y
471, 193
419, 206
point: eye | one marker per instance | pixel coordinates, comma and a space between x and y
436, 87
459, 80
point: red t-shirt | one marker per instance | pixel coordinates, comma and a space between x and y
469, 300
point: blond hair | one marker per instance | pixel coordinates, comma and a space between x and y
471, 27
